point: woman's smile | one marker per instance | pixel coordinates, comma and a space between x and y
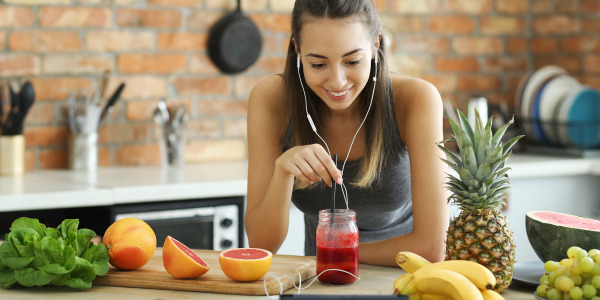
338, 95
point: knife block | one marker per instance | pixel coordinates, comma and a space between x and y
12, 154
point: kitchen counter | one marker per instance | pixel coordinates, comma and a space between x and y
374, 280
49, 189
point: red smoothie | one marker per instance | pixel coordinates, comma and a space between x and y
344, 258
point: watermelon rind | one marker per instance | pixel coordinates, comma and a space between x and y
551, 241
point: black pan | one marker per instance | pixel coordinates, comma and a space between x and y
234, 42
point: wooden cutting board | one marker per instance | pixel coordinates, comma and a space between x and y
154, 276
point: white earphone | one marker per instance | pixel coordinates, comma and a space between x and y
314, 128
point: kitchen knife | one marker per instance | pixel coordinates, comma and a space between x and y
110, 103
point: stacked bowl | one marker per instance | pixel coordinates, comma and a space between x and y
555, 109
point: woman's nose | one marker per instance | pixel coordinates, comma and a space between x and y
338, 78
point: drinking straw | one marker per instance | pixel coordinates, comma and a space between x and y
333, 185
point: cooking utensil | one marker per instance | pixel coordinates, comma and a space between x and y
26, 100
107, 109
20, 103
102, 85
234, 42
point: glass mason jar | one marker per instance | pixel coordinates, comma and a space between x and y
337, 246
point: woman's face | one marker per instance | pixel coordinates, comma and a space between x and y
336, 56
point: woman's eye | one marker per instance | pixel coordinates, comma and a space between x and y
317, 66
354, 62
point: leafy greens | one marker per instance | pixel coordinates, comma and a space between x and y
35, 255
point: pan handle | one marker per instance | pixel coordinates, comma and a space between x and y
239, 6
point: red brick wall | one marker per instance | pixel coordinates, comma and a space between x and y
158, 47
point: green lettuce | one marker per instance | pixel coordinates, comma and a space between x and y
35, 255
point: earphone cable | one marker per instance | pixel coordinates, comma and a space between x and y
343, 186
307, 114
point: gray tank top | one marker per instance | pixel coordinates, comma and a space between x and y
382, 211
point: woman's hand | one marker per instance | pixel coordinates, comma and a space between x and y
309, 163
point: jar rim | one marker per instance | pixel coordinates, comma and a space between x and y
337, 213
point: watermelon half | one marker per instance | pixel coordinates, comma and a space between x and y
551, 233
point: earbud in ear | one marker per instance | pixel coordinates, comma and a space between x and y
298, 60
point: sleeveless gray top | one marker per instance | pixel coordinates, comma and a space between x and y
382, 211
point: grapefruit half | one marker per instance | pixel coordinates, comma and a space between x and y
180, 261
245, 264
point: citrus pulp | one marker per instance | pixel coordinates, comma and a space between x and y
180, 261
245, 264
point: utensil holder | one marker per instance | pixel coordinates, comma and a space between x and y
83, 151
12, 154
174, 151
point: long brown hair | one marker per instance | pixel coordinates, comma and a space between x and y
376, 133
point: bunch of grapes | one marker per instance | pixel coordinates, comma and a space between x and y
576, 277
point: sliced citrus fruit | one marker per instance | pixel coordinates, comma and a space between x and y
245, 264
180, 261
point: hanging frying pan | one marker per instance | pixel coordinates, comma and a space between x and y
234, 42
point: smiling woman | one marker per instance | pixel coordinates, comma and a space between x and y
336, 96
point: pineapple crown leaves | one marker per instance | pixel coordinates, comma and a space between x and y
482, 182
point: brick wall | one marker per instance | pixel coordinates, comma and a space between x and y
158, 47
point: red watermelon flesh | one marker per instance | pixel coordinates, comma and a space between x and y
566, 220
551, 234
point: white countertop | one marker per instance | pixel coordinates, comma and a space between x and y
117, 185
47, 189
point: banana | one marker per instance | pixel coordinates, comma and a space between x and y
491, 295
447, 283
404, 285
478, 274
410, 261
420, 296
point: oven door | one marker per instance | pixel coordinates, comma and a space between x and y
213, 227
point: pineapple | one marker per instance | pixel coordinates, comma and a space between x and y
480, 232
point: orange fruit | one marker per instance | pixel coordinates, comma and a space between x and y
180, 261
131, 243
245, 264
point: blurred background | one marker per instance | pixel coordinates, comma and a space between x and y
159, 49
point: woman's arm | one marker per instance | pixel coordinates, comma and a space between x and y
270, 172
419, 112
269, 194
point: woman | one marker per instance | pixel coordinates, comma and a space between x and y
393, 175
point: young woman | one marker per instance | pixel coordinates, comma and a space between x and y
394, 175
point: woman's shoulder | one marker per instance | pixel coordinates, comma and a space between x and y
268, 92
412, 93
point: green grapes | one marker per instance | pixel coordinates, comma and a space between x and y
596, 281
554, 294
576, 293
575, 277
586, 264
589, 291
564, 283
550, 266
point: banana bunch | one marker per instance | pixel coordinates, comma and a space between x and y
451, 279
